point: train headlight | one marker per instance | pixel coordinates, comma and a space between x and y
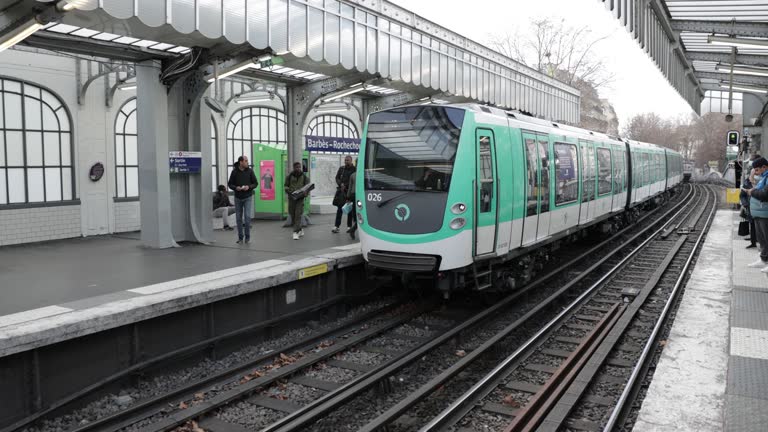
359, 204
458, 223
458, 208
360, 220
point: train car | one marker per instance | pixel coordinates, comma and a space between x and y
687, 170
476, 197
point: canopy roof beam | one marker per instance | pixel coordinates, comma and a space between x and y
733, 28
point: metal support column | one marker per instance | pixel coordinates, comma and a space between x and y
189, 129
154, 179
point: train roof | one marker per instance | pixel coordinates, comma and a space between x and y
549, 126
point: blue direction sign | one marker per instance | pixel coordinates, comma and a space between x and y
185, 162
331, 144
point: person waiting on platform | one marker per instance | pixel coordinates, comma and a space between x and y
351, 200
758, 206
222, 208
295, 181
342, 188
243, 182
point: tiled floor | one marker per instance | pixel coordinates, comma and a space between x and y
746, 407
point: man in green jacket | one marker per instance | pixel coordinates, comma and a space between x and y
293, 182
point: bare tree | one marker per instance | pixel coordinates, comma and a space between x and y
554, 48
701, 138
567, 54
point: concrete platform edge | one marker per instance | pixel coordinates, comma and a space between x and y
66, 324
688, 388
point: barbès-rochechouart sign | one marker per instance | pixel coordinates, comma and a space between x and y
332, 144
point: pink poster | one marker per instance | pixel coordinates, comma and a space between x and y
267, 180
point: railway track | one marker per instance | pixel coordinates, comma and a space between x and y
581, 371
296, 391
330, 403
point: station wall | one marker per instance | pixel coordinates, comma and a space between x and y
94, 208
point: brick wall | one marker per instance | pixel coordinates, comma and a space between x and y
39, 224
127, 216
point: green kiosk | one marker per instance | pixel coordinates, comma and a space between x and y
269, 165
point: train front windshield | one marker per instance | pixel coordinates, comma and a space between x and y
412, 149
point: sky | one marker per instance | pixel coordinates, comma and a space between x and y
638, 86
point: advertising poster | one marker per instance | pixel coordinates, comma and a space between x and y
267, 180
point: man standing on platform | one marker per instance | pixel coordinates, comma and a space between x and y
342, 188
758, 207
294, 182
243, 182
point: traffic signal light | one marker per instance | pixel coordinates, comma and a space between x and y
733, 138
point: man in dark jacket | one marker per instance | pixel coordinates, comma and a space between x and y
342, 187
243, 182
758, 206
222, 208
293, 182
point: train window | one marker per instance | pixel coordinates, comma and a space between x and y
646, 169
412, 149
566, 173
604, 179
486, 173
616, 158
533, 176
544, 189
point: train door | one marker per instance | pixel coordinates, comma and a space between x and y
587, 182
486, 195
531, 221
545, 194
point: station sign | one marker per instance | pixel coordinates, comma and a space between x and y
332, 144
185, 162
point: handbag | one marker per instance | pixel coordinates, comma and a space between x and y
338, 198
347, 208
743, 228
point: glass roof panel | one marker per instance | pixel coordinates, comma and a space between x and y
111, 37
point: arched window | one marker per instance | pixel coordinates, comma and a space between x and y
214, 155
35, 145
249, 126
126, 152
332, 126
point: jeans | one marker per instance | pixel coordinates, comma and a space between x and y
339, 213
761, 225
296, 210
223, 212
243, 215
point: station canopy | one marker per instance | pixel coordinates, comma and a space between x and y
697, 43
392, 50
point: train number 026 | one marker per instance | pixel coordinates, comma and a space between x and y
374, 197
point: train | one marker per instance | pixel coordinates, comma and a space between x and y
687, 170
476, 197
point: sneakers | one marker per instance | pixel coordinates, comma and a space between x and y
301, 233
764, 269
757, 264
228, 228
349, 230
335, 230
295, 236
240, 241
751, 246
247, 239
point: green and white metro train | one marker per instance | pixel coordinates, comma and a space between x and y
476, 197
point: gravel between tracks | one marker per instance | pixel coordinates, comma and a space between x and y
158, 385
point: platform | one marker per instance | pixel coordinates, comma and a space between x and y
53, 279
713, 372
